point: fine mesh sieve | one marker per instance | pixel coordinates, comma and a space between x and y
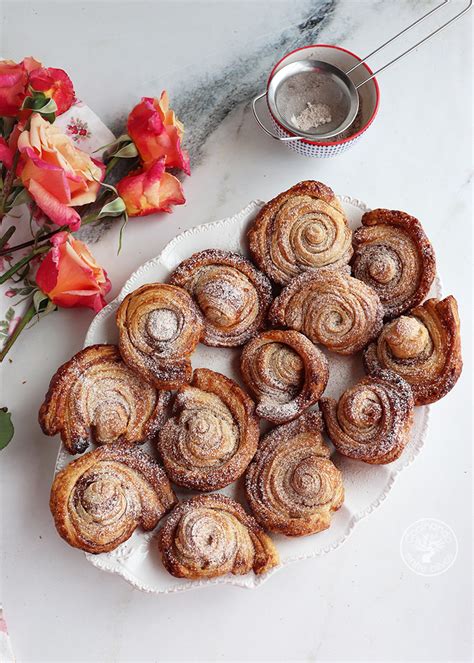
306, 84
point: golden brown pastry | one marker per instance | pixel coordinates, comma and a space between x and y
301, 229
95, 396
213, 433
393, 255
232, 295
292, 486
159, 327
372, 420
285, 372
99, 499
424, 347
331, 308
211, 535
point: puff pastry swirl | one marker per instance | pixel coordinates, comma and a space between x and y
212, 435
99, 499
232, 295
285, 372
159, 327
292, 486
331, 308
211, 535
393, 255
423, 347
372, 420
95, 396
301, 229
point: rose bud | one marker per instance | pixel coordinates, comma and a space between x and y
157, 133
70, 276
54, 84
150, 190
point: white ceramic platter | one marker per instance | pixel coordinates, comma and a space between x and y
366, 486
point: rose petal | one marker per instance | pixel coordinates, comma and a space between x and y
56, 211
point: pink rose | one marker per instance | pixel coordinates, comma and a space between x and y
6, 155
150, 190
157, 133
13, 84
54, 84
57, 174
70, 276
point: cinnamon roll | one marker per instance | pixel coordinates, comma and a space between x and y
393, 255
292, 486
98, 500
301, 229
212, 435
211, 535
423, 347
285, 372
232, 295
95, 396
372, 420
159, 327
331, 308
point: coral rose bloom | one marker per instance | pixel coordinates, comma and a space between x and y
56, 173
70, 276
13, 83
157, 133
54, 84
150, 190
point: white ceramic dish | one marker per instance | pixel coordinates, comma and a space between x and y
366, 486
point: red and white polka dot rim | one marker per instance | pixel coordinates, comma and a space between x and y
369, 99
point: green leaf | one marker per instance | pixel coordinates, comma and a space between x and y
39, 103
9, 314
121, 139
122, 228
116, 207
40, 301
126, 152
6, 427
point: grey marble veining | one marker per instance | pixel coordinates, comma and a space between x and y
203, 94
204, 103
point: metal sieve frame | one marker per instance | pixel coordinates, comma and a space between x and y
312, 66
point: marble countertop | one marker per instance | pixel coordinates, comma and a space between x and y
360, 603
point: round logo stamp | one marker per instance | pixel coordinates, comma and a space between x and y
429, 547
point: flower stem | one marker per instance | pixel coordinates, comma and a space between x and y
18, 329
9, 184
4, 238
111, 165
21, 263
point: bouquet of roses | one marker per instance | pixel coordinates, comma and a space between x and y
65, 188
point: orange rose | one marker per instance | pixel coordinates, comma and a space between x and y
56, 173
54, 84
157, 133
13, 84
150, 190
70, 276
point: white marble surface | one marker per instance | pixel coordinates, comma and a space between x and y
360, 603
